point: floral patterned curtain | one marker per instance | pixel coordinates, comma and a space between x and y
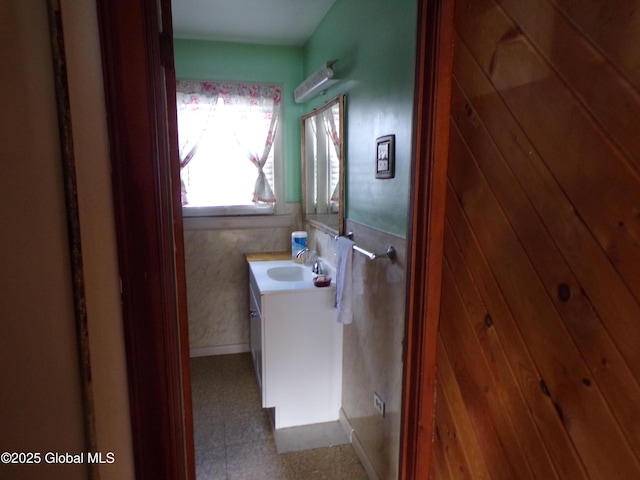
251, 103
196, 102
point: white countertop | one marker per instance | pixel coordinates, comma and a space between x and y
268, 285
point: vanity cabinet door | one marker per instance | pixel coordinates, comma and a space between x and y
302, 357
255, 331
296, 344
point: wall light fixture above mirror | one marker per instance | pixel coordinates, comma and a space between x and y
323, 163
317, 82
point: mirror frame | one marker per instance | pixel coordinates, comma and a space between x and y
340, 101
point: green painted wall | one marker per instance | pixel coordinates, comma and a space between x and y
205, 60
374, 43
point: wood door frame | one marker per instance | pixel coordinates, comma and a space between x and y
434, 59
137, 72
136, 51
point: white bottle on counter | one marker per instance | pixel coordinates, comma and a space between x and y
298, 243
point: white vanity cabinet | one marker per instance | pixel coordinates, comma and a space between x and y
296, 345
255, 331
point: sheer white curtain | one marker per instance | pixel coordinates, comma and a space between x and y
247, 112
196, 103
330, 117
258, 107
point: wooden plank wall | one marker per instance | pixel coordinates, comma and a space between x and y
539, 340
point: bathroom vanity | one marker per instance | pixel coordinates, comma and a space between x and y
296, 343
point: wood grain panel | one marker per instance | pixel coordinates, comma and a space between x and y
514, 403
496, 434
580, 405
612, 26
609, 96
539, 402
450, 447
578, 314
617, 308
604, 193
439, 463
454, 429
541, 280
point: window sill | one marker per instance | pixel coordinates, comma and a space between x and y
230, 211
238, 222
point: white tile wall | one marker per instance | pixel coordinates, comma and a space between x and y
217, 288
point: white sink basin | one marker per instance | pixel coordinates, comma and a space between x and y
290, 273
283, 276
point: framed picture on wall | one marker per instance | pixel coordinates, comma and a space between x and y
386, 156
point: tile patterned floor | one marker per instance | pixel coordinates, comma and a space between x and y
233, 435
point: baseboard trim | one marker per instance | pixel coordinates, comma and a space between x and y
357, 446
346, 425
219, 350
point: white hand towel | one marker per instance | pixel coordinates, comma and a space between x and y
344, 280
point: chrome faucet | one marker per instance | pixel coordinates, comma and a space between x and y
317, 268
308, 257
302, 254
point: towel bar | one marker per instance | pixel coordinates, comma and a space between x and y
390, 253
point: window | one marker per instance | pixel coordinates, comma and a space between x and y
323, 149
227, 135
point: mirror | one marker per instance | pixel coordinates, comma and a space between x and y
323, 166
